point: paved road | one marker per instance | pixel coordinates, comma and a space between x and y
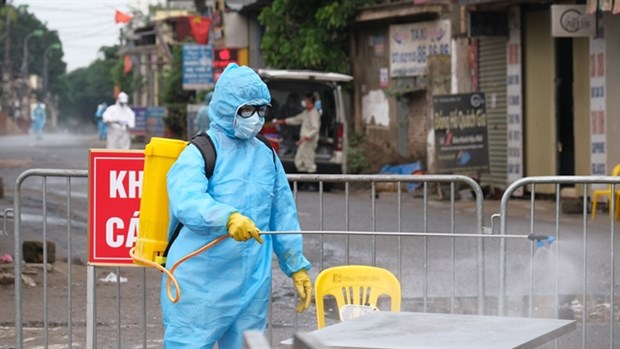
451, 275
55, 151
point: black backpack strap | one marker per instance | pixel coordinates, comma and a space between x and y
172, 238
203, 142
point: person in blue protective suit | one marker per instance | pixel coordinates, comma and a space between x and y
202, 117
38, 114
226, 290
101, 126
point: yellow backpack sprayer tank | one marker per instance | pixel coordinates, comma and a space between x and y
152, 241
150, 248
159, 155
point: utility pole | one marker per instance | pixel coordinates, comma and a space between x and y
4, 102
6, 67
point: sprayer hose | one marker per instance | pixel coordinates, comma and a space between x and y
169, 273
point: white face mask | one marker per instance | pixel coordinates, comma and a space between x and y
303, 104
246, 128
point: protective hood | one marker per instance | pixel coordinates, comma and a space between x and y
236, 86
123, 98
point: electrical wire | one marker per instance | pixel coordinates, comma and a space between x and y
90, 34
92, 15
79, 47
88, 24
64, 10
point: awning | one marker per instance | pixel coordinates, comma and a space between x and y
477, 2
592, 6
399, 10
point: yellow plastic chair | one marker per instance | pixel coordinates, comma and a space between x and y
607, 193
355, 285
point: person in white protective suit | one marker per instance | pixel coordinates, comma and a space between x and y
310, 122
225, 290
120, 119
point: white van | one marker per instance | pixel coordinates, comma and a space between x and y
287, 88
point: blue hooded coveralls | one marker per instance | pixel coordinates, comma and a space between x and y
38, 116
202, 117
225, 290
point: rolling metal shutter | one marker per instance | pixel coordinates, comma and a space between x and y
492, 80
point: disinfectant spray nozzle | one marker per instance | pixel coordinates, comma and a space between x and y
540, 239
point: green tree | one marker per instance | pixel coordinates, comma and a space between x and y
22, 24
86, 87
312, 34
357, 162
124, 81
175, 97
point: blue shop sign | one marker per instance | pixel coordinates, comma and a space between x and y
197, 67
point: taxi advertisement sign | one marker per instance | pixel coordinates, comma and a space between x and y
115, 189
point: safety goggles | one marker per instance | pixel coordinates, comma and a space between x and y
246, 110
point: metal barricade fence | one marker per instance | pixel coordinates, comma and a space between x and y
446, 260
574, 275
37, 219
6, 215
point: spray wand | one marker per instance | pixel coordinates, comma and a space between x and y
538, 239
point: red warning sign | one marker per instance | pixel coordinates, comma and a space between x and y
115, 189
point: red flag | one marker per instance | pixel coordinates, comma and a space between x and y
127, 64
200, 28
121, 17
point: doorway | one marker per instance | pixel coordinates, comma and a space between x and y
564, 100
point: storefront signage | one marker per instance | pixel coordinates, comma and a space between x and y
223, 57
598, 107
155, 122
384, 78
197, 67
412, 44
461, 140
514, 98
572, 21
115, 189
140, 128
149, 122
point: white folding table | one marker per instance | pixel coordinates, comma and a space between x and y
399, 330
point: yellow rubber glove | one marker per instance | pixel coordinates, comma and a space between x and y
304, 289
241, 228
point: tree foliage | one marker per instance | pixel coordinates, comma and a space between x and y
86, 87
22, 23
123, 81
174, 96
311, 34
